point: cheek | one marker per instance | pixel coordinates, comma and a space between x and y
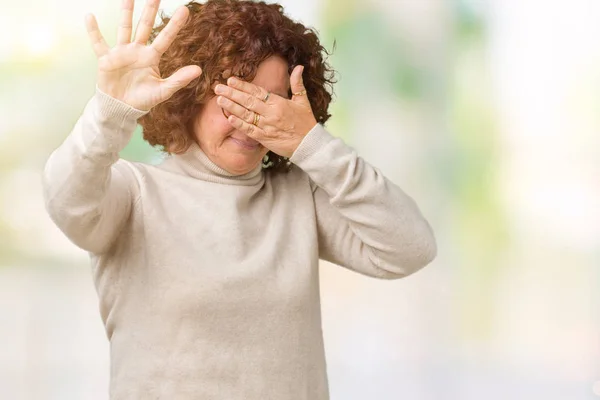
219, 126
214, 127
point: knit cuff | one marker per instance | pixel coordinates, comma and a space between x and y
316, 139
106, 127
110, 108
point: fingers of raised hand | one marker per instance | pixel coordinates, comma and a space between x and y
246, 100
249, 88
97, 40
234, 108
167, 35
146, 23
126, 24
178, 80
251, 130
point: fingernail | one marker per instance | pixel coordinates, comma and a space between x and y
232, 81
220, 89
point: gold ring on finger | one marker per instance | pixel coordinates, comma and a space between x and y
266, 97
256, 119
302, 93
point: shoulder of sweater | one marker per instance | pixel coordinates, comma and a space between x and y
140, 169
295, 177
134, 173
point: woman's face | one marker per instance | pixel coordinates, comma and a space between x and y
227, 147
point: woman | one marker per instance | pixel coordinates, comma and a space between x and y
206, 266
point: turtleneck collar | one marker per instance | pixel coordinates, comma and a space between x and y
197, 165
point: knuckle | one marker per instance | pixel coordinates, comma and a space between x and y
278, 115
167, 34
269, 133
248, 115
249, 102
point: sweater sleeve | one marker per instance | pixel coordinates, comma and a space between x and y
364, 221
86, 195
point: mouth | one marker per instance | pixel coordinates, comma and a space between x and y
246, 144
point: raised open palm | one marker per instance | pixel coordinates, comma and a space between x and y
129, 71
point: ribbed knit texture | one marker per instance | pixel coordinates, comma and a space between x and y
208, 283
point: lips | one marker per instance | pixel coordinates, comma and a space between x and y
248, 143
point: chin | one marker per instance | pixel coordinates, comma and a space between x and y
240, 164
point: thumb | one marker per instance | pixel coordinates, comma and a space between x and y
180, 79
297, 85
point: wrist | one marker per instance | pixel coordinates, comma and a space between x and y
312, 142
111, 108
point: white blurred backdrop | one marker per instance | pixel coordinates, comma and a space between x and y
486, 112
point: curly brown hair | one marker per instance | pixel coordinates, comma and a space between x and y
231, 38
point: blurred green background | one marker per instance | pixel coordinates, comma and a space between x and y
486, 112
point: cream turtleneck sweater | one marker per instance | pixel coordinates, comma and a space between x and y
208, 283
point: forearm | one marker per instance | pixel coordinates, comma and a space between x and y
383, 219
84, 194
